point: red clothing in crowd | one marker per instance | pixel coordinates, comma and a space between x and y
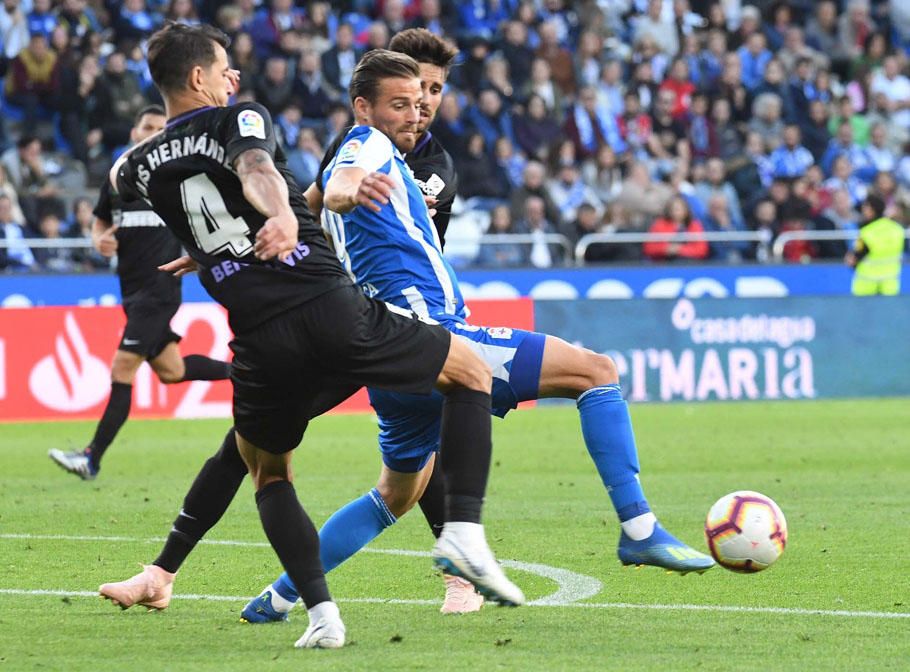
683, 92
660, 250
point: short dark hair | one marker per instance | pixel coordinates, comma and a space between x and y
157, 110
177, 48
876, 203
380, 64
424, 47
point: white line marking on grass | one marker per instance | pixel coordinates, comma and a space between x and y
783, 611
572, 586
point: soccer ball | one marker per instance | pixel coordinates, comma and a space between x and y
746, 531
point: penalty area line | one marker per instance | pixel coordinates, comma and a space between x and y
781, 611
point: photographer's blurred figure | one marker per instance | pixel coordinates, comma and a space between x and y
877, 255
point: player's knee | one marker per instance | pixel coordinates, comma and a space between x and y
398, 500
170, 376
601, 369
478, 377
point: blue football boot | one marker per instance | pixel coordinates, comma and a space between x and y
662, 549
260, 609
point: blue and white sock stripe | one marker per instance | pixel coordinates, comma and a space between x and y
380, 504
611, 389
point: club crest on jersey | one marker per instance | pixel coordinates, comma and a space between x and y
251, 124
349, 152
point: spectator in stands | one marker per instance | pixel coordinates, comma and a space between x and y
79, 225
310, 90
821, 32
134, 21
533, 185
795, 49
505, 254
496, 77
797, 218
589, 59
518, 54
118, 98
880, 155
643, 198
839, 216
481, 18
570, 191
41, 20
853, 26
27, 170
668, 144
469, 76
590, 126
610, 87
635, 126
766, 120
377, 36
814, 130
753, 58
701, 135
843, 177
727, 136
304, 158
449, 128
274, 88
14, 35
287, 126
604, 175
268, 27
479, 178
677, 219
730, 87
895, 88
558, 58
764, 217
535, 131
791, 159
536, 223
775, 81
53, 259
660, 29
243, 58
679, 83
339, 61
859, 125
9, 190
715, 183
511, 163
77, 88
33, 81
541, 84
16, 256
182, 11
489, 117
431, 16
78, 19
719, 220
844, 145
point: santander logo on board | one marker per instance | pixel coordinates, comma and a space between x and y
70, 379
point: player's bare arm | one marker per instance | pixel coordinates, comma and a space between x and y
103, 238
350, 187
266, 190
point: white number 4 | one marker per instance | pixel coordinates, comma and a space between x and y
213, 227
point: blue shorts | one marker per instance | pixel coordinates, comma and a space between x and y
409, 424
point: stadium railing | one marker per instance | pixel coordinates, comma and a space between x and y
47, 243
761, 238
777, 251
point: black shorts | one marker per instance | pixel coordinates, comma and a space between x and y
148, 328
311, 358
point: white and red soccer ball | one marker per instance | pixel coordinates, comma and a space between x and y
746, 531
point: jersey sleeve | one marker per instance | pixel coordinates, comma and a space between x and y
247, 126
329, 155
126, 183
103, 209
364, 148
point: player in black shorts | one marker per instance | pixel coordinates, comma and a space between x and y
303, 333
150, 298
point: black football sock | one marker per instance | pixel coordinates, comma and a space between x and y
199, 367
465, 448
295, 540
115, 414
208, 498
433, 500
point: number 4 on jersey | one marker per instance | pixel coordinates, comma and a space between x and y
213, 227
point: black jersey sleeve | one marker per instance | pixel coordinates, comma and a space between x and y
247, 126
103, 208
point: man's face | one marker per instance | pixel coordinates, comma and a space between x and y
217, 79
396, 110
432, 80
148, 125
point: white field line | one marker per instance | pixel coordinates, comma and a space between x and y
543, 570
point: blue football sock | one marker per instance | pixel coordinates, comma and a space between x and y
607, 430
346, 531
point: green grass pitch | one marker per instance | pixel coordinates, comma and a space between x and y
839, 598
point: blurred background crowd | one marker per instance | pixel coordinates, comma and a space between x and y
566, 118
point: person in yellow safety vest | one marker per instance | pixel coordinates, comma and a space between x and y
878, 252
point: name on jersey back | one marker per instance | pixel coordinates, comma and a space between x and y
178, 148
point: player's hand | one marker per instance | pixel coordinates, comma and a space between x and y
181, 266
106, 243
430, 201
277, 237
374, 191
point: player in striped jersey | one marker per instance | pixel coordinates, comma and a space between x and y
392, 248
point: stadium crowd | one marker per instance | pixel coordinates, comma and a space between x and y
562, 117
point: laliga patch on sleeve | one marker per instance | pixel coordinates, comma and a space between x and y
349, 152
251, 124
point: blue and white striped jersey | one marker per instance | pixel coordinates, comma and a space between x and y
394, 254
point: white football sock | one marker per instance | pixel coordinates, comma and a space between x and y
327, 609
279, 604
466, 532
639, 527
